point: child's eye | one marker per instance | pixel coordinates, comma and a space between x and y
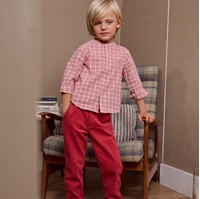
109, 22
97, 23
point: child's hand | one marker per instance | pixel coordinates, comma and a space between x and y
148, 117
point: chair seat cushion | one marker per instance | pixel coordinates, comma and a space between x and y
130, 151
54, 145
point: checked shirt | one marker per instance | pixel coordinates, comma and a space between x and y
93, 77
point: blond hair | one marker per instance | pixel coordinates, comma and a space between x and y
98, 9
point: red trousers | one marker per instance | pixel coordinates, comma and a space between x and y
78, 123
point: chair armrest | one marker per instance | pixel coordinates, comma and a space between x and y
51, 115
156, 122
48, 123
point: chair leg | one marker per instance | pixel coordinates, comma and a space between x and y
62, 172
145, 185
48, 169
45, 177
145, 191
84, 175
156, 176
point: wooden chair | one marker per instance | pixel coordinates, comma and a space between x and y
138, 148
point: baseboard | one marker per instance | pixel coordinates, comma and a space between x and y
176, 179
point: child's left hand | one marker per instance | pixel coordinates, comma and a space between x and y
148, 117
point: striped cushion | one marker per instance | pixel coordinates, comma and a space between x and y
124, 123
58, 129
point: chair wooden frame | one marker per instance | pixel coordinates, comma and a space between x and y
51, 163
54, 163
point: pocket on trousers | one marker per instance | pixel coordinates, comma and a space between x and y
66, 112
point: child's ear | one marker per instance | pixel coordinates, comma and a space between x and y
118, 24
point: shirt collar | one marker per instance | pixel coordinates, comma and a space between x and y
107, 44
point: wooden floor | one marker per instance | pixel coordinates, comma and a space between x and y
130, 189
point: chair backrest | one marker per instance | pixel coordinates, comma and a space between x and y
149, 76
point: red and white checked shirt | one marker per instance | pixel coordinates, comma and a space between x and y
94, 73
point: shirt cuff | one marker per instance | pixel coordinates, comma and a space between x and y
139, 96
64, 89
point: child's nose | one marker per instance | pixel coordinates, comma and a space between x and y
103, 26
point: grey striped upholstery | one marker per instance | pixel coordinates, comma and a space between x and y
124, 123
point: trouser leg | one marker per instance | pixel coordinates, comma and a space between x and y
107, 154
75, 144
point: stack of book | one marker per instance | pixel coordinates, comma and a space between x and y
47, 104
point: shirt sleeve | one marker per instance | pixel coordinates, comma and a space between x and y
73, 70
132, 78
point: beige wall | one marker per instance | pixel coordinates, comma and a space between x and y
19, 62
144, 33
64, 30
182, 116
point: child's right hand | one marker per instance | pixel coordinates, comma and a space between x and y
66, 99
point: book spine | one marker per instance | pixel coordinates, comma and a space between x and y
47, 108
47, 105
47, 99
46, 102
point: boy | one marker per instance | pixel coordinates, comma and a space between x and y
91, 88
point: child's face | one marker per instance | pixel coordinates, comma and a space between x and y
105, 28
